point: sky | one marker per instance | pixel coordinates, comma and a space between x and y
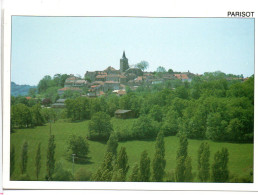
73, 45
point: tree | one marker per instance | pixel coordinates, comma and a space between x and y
51, 157
100, 126
170, 124
143, 65
135, 173
12, 160
216, 127
105, 171
144, 167
24, 157
38, 161
122, 162
159, 162
183, 168
21, 115
112, 144
156, 113
61, 174
220, 172
204, 162
82, 175
37, 117
78, 145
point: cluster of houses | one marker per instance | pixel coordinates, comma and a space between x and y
100, 82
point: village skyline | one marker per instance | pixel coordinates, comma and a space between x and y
74, 45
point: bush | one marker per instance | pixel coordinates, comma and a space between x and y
100, 127
82, 175
61, 174
78, 145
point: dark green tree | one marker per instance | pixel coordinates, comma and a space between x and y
143, 65
24, 157
220, 172
105, 171
135, 173
60, 174
204, 162
100, 126
183, 168
38, 161
144, 167
12, 160
112, 144
79, 146
159, 161
51, 158
122, 162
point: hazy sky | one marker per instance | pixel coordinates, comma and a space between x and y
73, 45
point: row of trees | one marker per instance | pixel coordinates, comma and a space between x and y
50, 165
115, 166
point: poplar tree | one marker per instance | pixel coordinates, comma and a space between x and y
24, 157
112, 144
203, 162
135, 173
159, 162
144, 167
104, 173
38, 161
183, 170
51, 157
122, 162
220, 172
12, 160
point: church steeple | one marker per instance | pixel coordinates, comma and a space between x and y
124, 63
124, 54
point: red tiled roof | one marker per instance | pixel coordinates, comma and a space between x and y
28, 98
101, 76
110, 82
70, 88
181, 76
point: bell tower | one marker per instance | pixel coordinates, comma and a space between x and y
123, 63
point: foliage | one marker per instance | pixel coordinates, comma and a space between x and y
51, 157
159, 161
21, 115
82, 175
105, 171
183, 171
204, 162
24, 157
144, 128
112, 144
38, 161
135, 173
78, 145
12, 160
144, 167
100, 127
143, 65
61, 174
122, 163
220, 172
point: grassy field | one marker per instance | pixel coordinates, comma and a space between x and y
240, 155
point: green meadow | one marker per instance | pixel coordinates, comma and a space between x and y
240, 155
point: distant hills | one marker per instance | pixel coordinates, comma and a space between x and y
22, 90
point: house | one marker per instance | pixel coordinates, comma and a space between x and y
124, 114
60, 103
111, 85
74, 89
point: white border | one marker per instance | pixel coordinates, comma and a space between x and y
7, 184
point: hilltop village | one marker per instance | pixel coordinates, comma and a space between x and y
111, 79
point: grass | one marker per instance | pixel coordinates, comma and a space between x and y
240, 155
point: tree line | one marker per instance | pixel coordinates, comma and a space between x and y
115, 165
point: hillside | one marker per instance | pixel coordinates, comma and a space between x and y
21, 90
